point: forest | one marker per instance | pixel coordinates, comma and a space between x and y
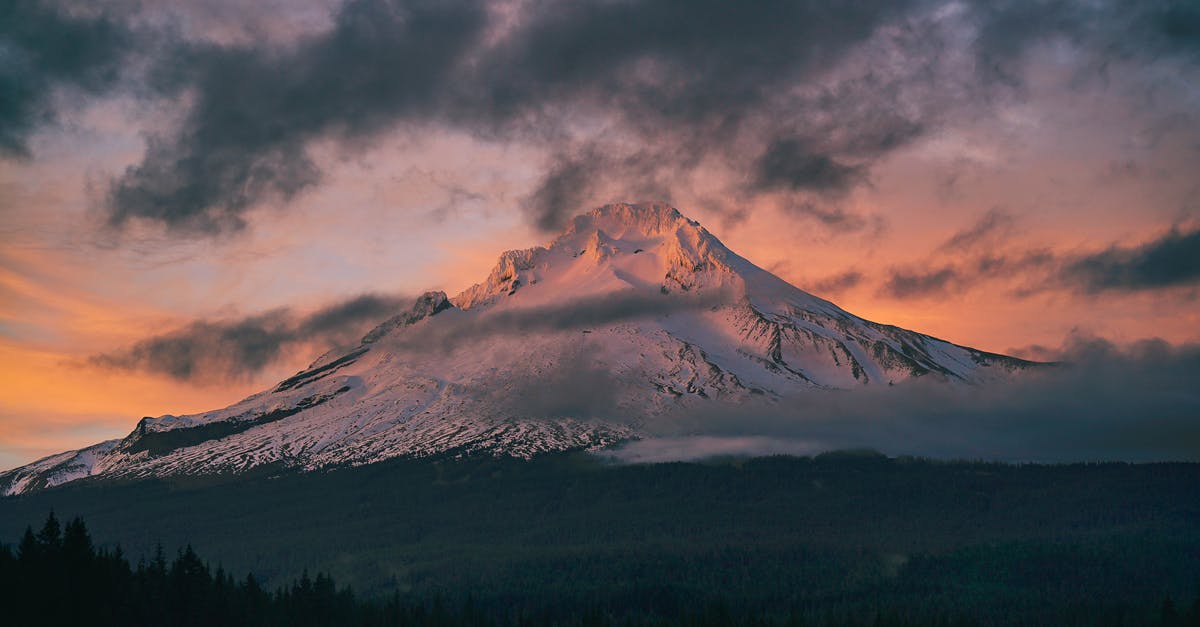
837, 539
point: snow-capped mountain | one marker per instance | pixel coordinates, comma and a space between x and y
631, 313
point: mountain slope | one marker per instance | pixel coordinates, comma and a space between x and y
632, 313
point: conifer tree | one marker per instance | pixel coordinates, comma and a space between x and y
50, 537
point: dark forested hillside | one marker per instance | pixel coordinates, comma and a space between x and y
831, 538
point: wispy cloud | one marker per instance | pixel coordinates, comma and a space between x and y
992, 225
209, 351
212, 351
1171, 260
836, 283
451, 331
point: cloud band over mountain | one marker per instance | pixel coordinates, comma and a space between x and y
213, 351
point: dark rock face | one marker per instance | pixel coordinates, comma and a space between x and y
429, 304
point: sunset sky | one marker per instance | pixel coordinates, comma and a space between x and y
185, 183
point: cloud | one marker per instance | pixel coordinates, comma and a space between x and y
1169, 261
657, 450
993, 224
1180, 22
564, 188
786, 101
670, 94
836, 283
973, 262
338, 321
1035, 352
641, 60
790, 164
450, 331
1135, 403
671, 87
255, 111
920, 283
1031, 267
572, 384
1104, 33
43, 48
212, 351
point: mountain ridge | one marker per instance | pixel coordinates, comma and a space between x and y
633, 312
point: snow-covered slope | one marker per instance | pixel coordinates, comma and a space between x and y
633, 312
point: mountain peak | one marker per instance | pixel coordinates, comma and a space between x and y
622, 219
599, 246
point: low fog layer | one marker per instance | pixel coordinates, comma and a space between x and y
1101, 403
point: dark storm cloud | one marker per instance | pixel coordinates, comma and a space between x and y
667, 74
1007, 29
45, 47
1169, 261
255, 110
789, 99
222, 350
1138, 403
1104, 32
568, 183
332, 321
652, 60
790, 164
686, 84
1181, 23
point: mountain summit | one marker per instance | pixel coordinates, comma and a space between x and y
633, 312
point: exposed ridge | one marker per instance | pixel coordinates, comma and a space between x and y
506, 277
428, 304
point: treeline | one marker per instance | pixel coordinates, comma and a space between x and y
57, 576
